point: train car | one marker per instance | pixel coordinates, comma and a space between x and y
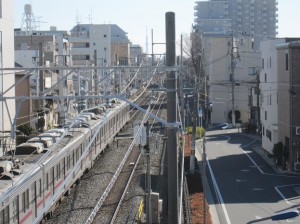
34, 180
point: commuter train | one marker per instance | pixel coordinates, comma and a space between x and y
37, 174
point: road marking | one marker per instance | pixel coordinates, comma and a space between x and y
221, 201
245, 170
258, 167
238, 180
257, 189
281, 194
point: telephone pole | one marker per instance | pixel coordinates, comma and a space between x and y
257, 101
232, 81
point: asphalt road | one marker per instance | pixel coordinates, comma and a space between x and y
245, 188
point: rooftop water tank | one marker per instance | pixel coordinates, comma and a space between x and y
27, 9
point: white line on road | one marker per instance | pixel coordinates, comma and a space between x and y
221, 201
283, 197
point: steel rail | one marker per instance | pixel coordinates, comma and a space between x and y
125, 189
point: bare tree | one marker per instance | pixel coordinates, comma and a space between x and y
192, 47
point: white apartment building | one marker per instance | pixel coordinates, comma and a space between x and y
100, 45
269, 93
217, 66
7, 78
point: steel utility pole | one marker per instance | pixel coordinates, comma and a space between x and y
232, 81
257, 101
182, 114
204, 178
171, 119
148, 177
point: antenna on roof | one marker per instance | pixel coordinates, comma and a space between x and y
77, 18
90, 17
147, 40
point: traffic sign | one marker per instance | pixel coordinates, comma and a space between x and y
200, 112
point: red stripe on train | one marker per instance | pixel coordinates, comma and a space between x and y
26, 217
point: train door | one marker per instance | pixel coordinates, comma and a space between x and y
34, 198
16, 209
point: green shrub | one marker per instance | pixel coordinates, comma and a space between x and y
200, 131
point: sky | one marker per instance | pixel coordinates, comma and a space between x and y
137, 17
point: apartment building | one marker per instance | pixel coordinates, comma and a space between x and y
217, 63
255, 17
269, 91
7, 79
288, 103
100, 45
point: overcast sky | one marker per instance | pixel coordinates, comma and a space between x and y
136, 16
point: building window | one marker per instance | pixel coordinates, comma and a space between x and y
80, 45
81, 57
265, 77
104, 35
286, 61
270, 62
266, 115
262, 63
252, 71
269, 134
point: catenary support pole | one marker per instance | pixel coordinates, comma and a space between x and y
171, 118
148, 178
182, 114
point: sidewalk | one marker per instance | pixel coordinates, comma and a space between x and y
260, 151
208, 193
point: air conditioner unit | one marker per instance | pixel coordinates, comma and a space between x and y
297, 130
296, 166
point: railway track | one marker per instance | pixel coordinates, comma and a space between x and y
131, 209
79, 205
109, 210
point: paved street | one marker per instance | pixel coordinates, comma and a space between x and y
245, 188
